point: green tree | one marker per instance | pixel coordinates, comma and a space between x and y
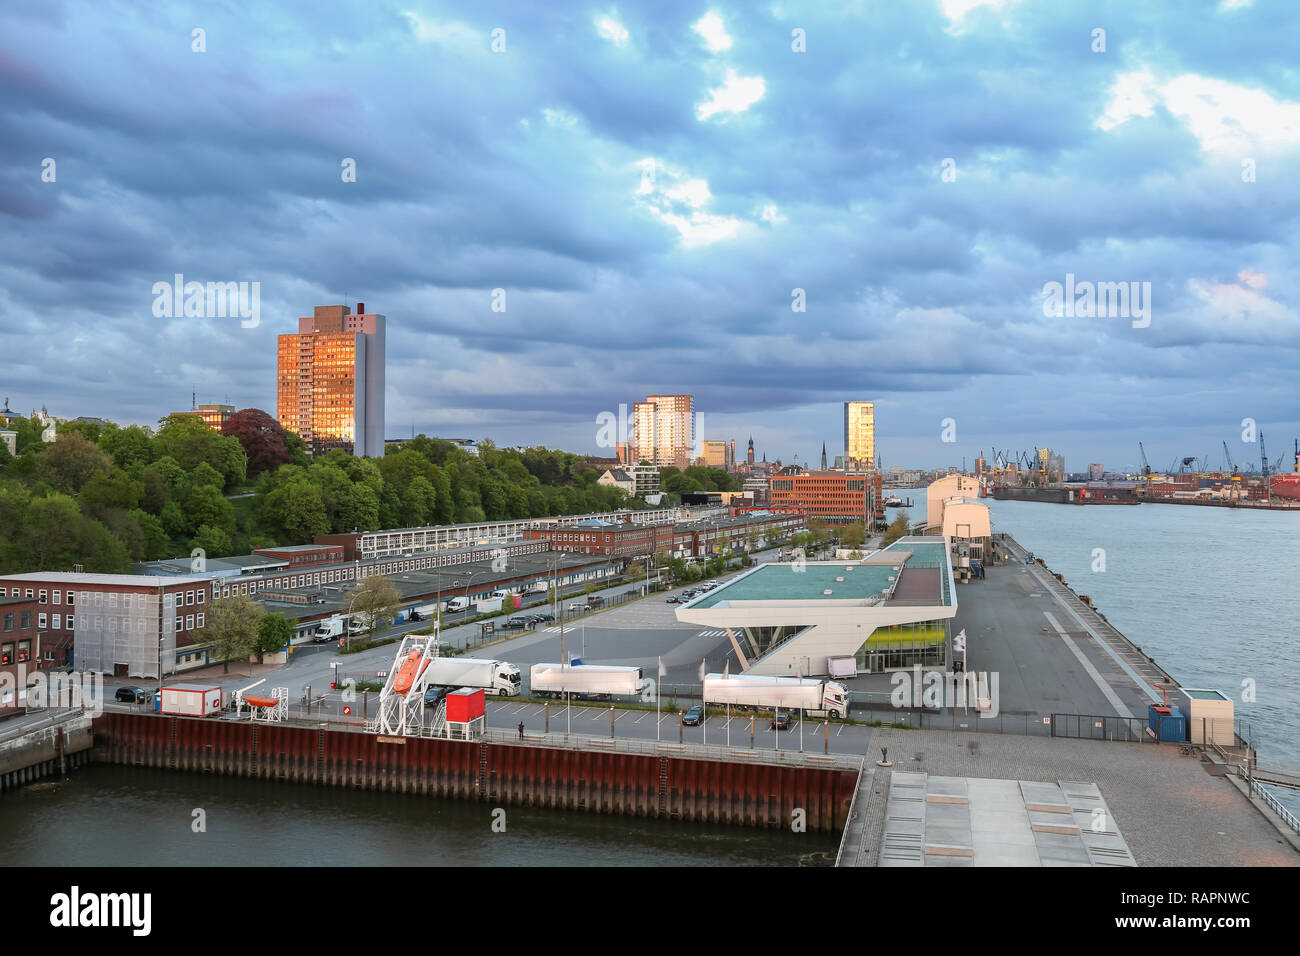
131, 448
189, 441
71, 462
375, 603
274, 633
853, 535
214, 541
898, 528
233, 626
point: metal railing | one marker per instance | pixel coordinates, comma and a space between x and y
1275, 805
848, 820
666, 749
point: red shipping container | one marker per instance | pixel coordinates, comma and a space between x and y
465, 705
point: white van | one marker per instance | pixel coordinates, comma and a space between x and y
502, 594
458, 604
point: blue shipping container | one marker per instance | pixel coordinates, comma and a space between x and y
1168, 724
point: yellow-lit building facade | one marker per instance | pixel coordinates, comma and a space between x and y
860, 435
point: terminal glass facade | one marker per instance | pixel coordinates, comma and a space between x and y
903, 646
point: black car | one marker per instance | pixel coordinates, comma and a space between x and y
518, 622
693, 716
673, 599
780, 722
131, 695
544, 617
433, 696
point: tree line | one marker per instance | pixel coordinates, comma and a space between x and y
105, 496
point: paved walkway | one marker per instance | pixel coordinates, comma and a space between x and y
1170, 809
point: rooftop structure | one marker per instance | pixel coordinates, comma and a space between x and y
888, 611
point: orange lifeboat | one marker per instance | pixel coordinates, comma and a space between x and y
260, 701
406, 675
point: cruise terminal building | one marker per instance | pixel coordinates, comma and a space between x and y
891, 610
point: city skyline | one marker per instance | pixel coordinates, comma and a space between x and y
598, 238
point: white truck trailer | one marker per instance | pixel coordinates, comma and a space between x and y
816, 698
488, 605
190, 700
552, 680
496, 677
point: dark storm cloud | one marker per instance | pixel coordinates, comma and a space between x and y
525, 171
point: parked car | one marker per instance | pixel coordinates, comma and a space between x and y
693, 716
433, 695
518, 622
131, 695
673, 599
579, 607
545, 617
780, 722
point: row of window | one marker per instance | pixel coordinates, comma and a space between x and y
97, 597
25, 620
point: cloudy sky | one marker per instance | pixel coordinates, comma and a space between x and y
651, 184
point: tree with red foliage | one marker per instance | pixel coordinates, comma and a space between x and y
262, 438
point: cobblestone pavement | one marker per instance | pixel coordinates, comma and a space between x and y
1170, 810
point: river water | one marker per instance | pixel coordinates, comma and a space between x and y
1212, 594
131, 816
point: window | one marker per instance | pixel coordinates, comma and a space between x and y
202, 596
199, 621
44, 596
69, 622
26, 621
179, 622
6, 653
189, 622
9, 622
56, 622
112, 599
2, 592
49, 655
29, 592
189, 597
57, 596
71, 597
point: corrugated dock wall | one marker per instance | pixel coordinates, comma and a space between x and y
645, 785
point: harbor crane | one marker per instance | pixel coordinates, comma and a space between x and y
1146, 468
1263, 456
1228, 458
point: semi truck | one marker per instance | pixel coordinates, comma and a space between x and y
190, 700
552, 680
815, 697
496, 677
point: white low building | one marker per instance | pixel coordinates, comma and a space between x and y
888, 611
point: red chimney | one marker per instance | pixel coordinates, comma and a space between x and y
361, 308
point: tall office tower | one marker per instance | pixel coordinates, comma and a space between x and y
331, 380
731, 455
860, 435
714, 454
664, 430
750, 458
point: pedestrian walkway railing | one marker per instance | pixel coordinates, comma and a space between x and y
1274, 804
790, 758
851, 818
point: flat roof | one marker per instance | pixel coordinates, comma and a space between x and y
121, 580
923, 562
791, 581
303, 547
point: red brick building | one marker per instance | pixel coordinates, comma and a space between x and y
119, 624
836, 497
19, 648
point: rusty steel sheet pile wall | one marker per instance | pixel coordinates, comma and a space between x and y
671, 787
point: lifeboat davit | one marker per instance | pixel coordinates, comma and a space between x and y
406, 675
